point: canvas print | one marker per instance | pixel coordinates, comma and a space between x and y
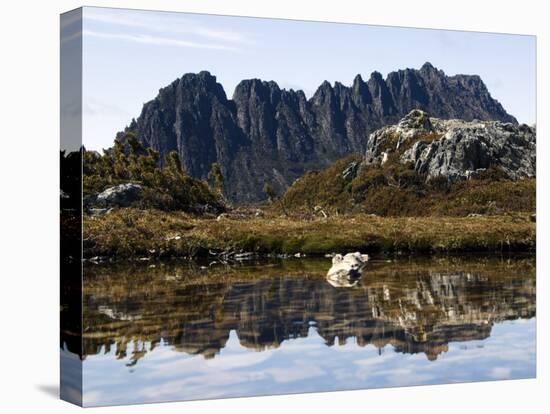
263, 206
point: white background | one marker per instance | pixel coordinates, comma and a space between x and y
29, 102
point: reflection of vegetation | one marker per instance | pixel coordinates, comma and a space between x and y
414, 305
128, 232
168, 188
397, 190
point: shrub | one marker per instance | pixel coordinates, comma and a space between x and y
168, 188
396, 189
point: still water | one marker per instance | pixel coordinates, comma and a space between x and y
169, 331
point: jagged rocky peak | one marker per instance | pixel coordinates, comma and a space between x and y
456, 149
358, 82
427, 67
324, 93
257, 89
429, 71
268, 134
202, 82
376, 84
360, 92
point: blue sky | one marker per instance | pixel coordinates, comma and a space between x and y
129, 55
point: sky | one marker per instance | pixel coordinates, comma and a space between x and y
128, 55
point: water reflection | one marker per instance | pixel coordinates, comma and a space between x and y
415, 306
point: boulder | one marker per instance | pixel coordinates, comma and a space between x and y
99, 212
393, 138
346, 270
454, 148
123, 195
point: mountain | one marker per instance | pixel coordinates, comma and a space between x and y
268, 134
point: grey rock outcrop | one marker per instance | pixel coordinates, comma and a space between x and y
123, 195
268, 134
456, 149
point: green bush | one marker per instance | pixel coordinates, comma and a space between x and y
169, 188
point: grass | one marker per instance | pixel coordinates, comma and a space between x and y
131, 233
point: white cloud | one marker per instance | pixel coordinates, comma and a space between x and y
165, 23
95, 107
158, 41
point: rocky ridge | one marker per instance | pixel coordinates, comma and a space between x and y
268, 134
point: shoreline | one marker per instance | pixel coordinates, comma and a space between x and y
151, 234
320, 263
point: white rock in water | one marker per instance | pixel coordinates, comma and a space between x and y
346, 270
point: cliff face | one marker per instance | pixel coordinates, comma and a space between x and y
267, 134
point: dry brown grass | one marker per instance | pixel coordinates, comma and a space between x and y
397, 190
134, 233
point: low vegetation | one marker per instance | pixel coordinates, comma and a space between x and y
132, 233
387, 209
166, 188
397, 190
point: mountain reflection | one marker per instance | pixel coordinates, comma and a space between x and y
416, 306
